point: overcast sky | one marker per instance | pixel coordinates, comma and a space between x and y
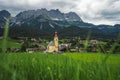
93, 11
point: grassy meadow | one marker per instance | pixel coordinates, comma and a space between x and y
67, 66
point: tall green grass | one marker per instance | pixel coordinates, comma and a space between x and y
59, 67
87, 41
5, 36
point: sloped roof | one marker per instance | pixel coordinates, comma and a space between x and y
51, 44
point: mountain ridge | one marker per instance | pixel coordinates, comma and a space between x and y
48, 21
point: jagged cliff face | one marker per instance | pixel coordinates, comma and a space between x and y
45, 20
52, 14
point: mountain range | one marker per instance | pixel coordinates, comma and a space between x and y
43, 22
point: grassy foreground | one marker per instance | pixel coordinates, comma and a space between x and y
59, 67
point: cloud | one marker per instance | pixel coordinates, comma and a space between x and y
94, 11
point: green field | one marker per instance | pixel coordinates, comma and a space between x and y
67, 66
11, 44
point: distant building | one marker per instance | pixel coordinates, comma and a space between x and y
93, 42
31, 50
1, 38
53, 46
63, 47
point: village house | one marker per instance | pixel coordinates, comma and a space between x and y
93, 42
64, 47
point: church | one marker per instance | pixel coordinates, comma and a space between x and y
53, 46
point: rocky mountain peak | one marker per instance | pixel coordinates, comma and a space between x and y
54, 14
4, 15
72, 16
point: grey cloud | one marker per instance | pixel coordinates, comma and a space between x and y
94, 11
63, 4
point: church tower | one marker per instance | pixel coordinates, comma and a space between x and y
56, 41
53, 46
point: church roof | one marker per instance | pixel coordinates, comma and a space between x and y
51, 44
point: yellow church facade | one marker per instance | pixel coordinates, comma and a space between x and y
53, 46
